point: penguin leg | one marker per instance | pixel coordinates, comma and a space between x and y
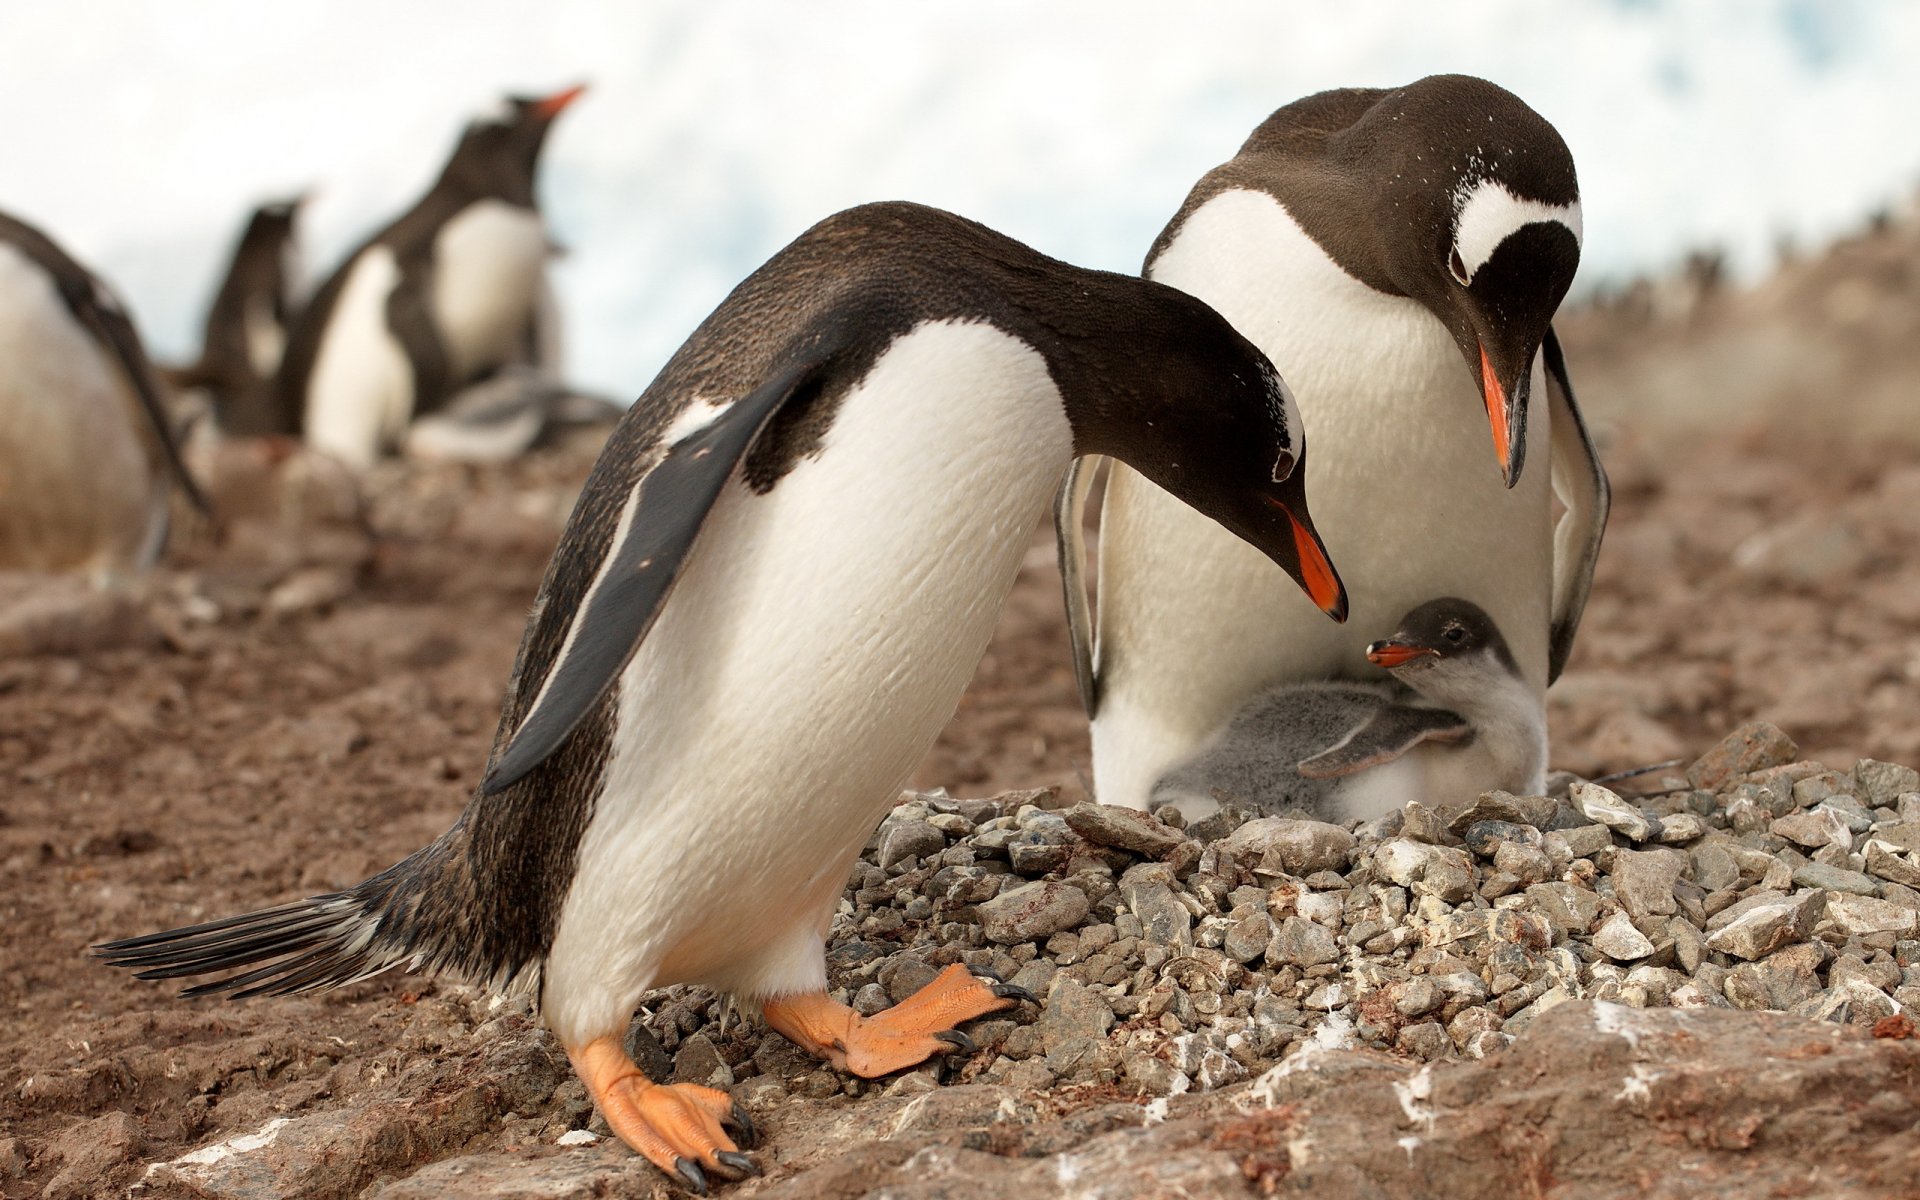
905, 1035
676, 1127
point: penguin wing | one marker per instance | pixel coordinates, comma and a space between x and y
1069, 528
1581, 483
410, 318
1392, 731
665, 507
102, 314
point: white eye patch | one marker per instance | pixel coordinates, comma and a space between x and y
1488, 214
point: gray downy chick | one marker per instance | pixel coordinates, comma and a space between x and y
1460, 720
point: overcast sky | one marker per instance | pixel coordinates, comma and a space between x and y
140, 133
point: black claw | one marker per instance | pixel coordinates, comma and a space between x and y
737, 1162
987, 973
690, 1171
1013, 991
745, 1133
959, 1041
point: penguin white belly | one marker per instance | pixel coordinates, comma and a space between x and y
816, 644
489, 267
1401, 475
360, 395
79, 486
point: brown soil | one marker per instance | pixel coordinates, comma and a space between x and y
298, 707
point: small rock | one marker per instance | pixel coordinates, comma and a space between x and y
1862, 914
1835, 879
1570, 909
1442, 871
1752, 747
1302, 943
1643, 881
1681, 827
1762, 924
1714, 867
1619, 940
1882, 784
902, 840
1154, 1077
1884, 860
697, 1061
1416, 997
1599, 804
1247, 939
1285, 846
1073, 1011
1034, 910
1585, 841
1427, 1040
1124, 829
1815, 828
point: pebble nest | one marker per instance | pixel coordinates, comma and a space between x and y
1175, 959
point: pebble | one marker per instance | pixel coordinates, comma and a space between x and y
1754, 746
1600, 805
1124, 829
1290, 846
1033, 910
1619, 940
1764, 923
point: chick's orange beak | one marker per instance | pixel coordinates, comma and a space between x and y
1395, 654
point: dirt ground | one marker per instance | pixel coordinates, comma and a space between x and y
299, 706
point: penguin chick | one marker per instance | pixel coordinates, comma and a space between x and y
88, 457
1460, 721
778, 579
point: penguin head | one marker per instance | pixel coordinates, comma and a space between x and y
1448, 650
1201, 412
1478, 210
498, 152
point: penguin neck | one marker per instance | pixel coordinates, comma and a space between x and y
1507, 718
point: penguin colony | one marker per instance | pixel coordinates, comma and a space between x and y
789, 557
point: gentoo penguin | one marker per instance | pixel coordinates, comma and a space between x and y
779, 576
443, 297
1463, 722
246, 328
87, 456
1376, 242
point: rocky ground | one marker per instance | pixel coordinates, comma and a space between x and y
1545, 997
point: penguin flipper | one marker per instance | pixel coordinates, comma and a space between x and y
1581, 483
1392, 731
104, 317
666, 506
1069, 528
410, 318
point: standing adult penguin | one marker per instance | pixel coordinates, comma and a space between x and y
446, 295
88, 459
779, 577
1375, 241
246, 329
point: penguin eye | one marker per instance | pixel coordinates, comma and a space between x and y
1458, 266
1455, 634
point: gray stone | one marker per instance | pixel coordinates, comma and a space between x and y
1619, 940
1033, 910
904, 839
1882, 784
1859, 914
1421, 824
1643, 881
1570, 909
1585, 841
1599, 804
1285, 846
1817, 827
1073, 1011
1032, 854
1779, 982
1163, 919
1442, 871
1835, 879
1124, 829
1762, 924
697, 1061
1754, 746
1885, 860
1247, 939
1427, 1041
1714, 866
1416, 997
1153, 1076
1680, 828
1302, 943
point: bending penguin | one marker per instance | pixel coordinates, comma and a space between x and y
88, 459
1463, 721
246, 329
445, 296
1402, 252
779, 577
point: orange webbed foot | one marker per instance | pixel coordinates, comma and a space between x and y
677, 1127
903, 1036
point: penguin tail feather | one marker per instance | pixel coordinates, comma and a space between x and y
322, 942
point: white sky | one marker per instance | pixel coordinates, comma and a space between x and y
139, 133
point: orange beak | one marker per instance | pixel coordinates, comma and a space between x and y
552, 106
1395, 654
1316, 571
1496, 398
